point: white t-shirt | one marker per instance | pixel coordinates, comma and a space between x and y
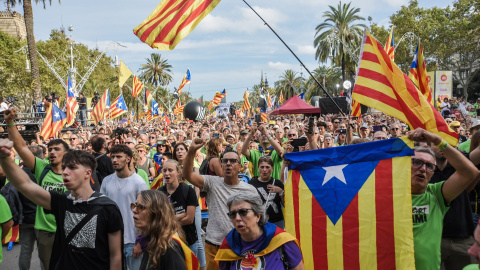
219, 224
124, 191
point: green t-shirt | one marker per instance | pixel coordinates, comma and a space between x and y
471, 267
51, 182
465, 146
144, 176
5, 215
277, 163
428, 211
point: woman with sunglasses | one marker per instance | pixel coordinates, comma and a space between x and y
183, 199
144, 162
254, 241
162, 249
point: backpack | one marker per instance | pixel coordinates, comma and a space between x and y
11, 195
203, 170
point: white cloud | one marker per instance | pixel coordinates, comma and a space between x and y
306, 49
279, 66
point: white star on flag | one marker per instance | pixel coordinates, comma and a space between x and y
334, 171
57, 115
119, 104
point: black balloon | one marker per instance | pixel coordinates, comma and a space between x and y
194, 110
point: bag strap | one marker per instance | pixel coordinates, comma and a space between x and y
283, 257
44, 173
82, 223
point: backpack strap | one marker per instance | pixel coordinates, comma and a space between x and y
283, 257
82, 223
44, 173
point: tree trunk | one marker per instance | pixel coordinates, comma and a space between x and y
343, 67
32, 50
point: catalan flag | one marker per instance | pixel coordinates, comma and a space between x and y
350, 207
185, 81
171, 21
137, 86
380, 84
102, 105
218, 97
123, 74
158, 181
418, 73
178, 108
269, 100
71, 104
246, 104
118, 107
281, 99
191, 260
148, 97
12, 235
356, 109
390, 44
263, 115
54, 121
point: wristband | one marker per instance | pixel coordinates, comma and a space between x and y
442, 145
269, 137
11, 125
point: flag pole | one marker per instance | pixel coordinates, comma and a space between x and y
298, 59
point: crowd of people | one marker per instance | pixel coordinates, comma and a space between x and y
129, 195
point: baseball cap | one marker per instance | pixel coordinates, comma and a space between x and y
231, 135
455, 124
475, 124
243, 132
364, 125
275, 127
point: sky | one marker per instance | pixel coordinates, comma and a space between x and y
228, 50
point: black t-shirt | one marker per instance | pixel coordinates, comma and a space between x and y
29, 207
89, 249
274, 207
82, 106
104, 166
172, 259
458, 221
182, 197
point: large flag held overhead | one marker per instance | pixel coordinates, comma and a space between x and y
350, 207
137, 86
123, 74
155, 111
185, 81
118, 107
54, 121
390, 44
99, 110
71, 104
171, 21
418, 73
246, 104
178, 108
380, 84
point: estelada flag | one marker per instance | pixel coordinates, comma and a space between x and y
118, 107
380, 84
246, 103
218, 97
171, 21
137, 86
71, 104
350, 207
263, 116
418, 73
12, 235
390, 44
99, 110
185, 81
54, 121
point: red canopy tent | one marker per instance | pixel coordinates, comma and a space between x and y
295, 105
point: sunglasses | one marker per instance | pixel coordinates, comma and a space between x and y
243, 212
395, 128
71, 139
418, 163
290, 135
336, 122
231, 160
140, 207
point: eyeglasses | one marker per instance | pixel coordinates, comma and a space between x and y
162, 145
71, 139
395, 128
231, 160
129, 143
243, 212
290, 135
336, 122
140, 207
418, 163
152, 137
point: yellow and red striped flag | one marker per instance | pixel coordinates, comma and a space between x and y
356, 109
218, 97
71, 104
281, 99
171, 21
12, 235
383, 86
246, 103
263, 115
354, 211
157, 182
191, 260
118, 107
102, 105
390, 44
137, 86
54, 121
269, 100
148, 97
185, 81
418, 73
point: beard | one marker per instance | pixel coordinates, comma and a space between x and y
119, 168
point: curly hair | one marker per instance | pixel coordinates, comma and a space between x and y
161, 226
212, 147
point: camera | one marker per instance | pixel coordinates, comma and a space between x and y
120, 131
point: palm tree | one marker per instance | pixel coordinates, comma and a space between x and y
329, 77
290, 84
32, 49
336, 33
156, 70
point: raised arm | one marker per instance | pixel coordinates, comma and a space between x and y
465, 172
18, 142
246, 144
276, 146
20, 179
195, 179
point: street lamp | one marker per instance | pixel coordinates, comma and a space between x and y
338, 86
